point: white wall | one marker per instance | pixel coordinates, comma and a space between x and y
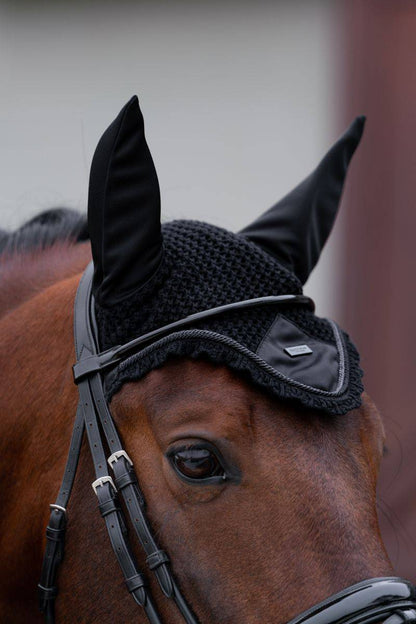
239, 102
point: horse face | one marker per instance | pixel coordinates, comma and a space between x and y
270, 496
265, 506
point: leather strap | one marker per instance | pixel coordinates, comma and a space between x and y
86, 418
55, 531
370, 601
90, 398
126, 481
112, 357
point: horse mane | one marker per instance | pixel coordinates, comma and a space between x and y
45, 229
42, 251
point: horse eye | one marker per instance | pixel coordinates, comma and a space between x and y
197, 464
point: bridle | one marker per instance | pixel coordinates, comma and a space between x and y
365, 602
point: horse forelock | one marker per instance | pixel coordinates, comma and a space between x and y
43, 230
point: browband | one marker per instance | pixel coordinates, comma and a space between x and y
112, 357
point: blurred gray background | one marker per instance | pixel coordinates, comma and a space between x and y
238, 101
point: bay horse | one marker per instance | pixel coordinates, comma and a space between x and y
265, 503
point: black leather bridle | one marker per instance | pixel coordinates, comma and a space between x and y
366, 602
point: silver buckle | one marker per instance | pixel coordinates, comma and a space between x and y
59, 508
99, 482
115, 457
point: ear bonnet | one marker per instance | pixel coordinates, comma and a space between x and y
147, 276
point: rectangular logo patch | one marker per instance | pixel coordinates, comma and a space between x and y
297, 350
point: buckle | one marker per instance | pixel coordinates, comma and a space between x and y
59, 508
100, 482
115, 457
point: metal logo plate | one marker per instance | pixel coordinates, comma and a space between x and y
297, 350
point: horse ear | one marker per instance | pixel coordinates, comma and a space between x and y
123, 209
296, 228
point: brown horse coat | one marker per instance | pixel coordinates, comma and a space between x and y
300, 525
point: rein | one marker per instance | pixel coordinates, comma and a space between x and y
362, 603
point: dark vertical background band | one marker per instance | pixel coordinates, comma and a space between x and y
378, 291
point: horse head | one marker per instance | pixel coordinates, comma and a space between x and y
254, 447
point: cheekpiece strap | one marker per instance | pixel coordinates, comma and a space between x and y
94, 416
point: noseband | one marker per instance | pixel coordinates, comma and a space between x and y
364, 603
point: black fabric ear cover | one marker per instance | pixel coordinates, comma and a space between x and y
295, 229
203, 267
141, 284
123, 209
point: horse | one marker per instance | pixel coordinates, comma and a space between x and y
259, 485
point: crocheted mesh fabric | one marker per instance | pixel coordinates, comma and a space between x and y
204, 266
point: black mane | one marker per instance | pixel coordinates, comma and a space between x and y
42, 231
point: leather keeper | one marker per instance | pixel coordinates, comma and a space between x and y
156, 559
108, 507
125, 479
135, 582
46, 594
55, 535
